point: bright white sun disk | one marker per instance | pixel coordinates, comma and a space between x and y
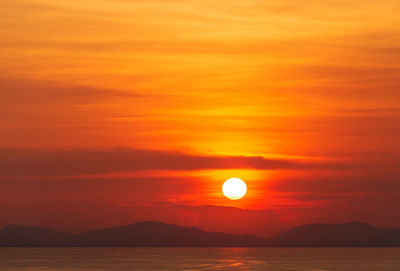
234, 188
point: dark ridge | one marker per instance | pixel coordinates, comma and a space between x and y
340, 234
16, 235
159, 234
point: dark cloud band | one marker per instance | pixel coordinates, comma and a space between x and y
31, 163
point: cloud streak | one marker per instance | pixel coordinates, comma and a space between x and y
31, 163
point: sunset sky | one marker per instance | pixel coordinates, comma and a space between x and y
113, 112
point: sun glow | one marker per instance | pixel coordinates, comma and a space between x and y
234, 188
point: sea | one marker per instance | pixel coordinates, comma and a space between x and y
96, 259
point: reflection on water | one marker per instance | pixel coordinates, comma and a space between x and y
95, 259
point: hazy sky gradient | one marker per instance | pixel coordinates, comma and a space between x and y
110, 106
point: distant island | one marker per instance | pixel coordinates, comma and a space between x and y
157, 234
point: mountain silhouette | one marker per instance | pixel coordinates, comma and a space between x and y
161, 234
168, 235
341, 234
138, 234
16, 235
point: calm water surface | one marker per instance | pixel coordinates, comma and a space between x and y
91, 259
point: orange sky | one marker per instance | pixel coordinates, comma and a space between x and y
109, 107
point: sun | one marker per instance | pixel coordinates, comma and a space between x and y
234, 188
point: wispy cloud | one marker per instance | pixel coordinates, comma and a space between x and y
17, 162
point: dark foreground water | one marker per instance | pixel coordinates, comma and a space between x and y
90, 259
